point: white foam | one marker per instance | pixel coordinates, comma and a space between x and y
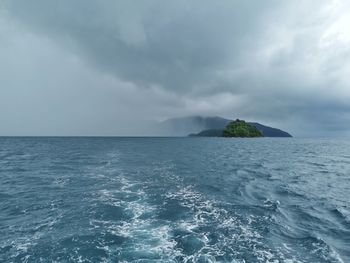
145, 235
152, 237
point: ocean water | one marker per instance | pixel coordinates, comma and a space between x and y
174, 200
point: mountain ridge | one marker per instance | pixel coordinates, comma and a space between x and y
204, 127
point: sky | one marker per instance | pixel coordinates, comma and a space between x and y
112, 67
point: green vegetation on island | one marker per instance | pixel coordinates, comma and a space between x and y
240, 128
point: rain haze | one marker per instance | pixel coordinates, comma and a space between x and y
115, 67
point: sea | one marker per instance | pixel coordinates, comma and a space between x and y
119, 199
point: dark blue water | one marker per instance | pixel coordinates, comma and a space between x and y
174, 200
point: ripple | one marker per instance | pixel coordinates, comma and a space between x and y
174, 200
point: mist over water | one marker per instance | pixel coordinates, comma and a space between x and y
174, 200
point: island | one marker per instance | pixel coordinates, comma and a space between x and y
237, 128
201, 126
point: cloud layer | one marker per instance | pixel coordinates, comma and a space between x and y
104, 67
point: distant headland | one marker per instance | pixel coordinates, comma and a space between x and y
198, 126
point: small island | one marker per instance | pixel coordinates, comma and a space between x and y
240, 128
199, 126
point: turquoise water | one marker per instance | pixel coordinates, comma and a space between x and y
174, 200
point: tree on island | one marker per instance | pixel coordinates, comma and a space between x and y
240, 128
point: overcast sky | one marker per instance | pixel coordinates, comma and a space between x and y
109, 67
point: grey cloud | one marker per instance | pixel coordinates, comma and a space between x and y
283, 63
174, 45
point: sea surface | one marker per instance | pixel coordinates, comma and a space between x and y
174, 200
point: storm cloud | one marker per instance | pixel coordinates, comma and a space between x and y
107, 67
